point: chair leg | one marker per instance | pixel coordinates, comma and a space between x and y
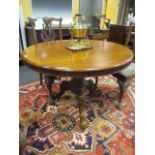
121, 86
41, 79
121, 81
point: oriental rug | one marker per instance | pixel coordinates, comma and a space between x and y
54, 130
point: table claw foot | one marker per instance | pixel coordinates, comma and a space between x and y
83, 123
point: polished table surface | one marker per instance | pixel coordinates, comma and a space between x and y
54, 58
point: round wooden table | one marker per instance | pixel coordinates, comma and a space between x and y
55, 60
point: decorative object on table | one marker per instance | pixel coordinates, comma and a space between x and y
97, 21
79, 34
96, 31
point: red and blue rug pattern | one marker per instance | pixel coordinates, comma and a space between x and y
54, 130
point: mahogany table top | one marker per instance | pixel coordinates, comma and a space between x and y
55, 59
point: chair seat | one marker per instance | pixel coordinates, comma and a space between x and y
129, 71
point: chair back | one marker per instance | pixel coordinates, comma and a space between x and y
120, 34
48, 32
34, 34
117, 33
129, 32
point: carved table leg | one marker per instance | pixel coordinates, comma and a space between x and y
83, 122
94, 92
49, 81
96, 81
41, 79
77, 87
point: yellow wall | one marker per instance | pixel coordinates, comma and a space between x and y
104, 4
112, 10
75, 7
26, 8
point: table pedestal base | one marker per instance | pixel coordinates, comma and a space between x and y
85, 91
78, 86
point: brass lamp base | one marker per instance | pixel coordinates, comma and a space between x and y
77, 45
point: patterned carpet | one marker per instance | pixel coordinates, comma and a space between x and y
54, 130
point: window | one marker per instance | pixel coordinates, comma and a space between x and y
89, 8
52, 8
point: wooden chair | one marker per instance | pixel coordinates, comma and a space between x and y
128, 36
121, 34
35, 38
48, 32
118, 33
124, 75
32, 25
